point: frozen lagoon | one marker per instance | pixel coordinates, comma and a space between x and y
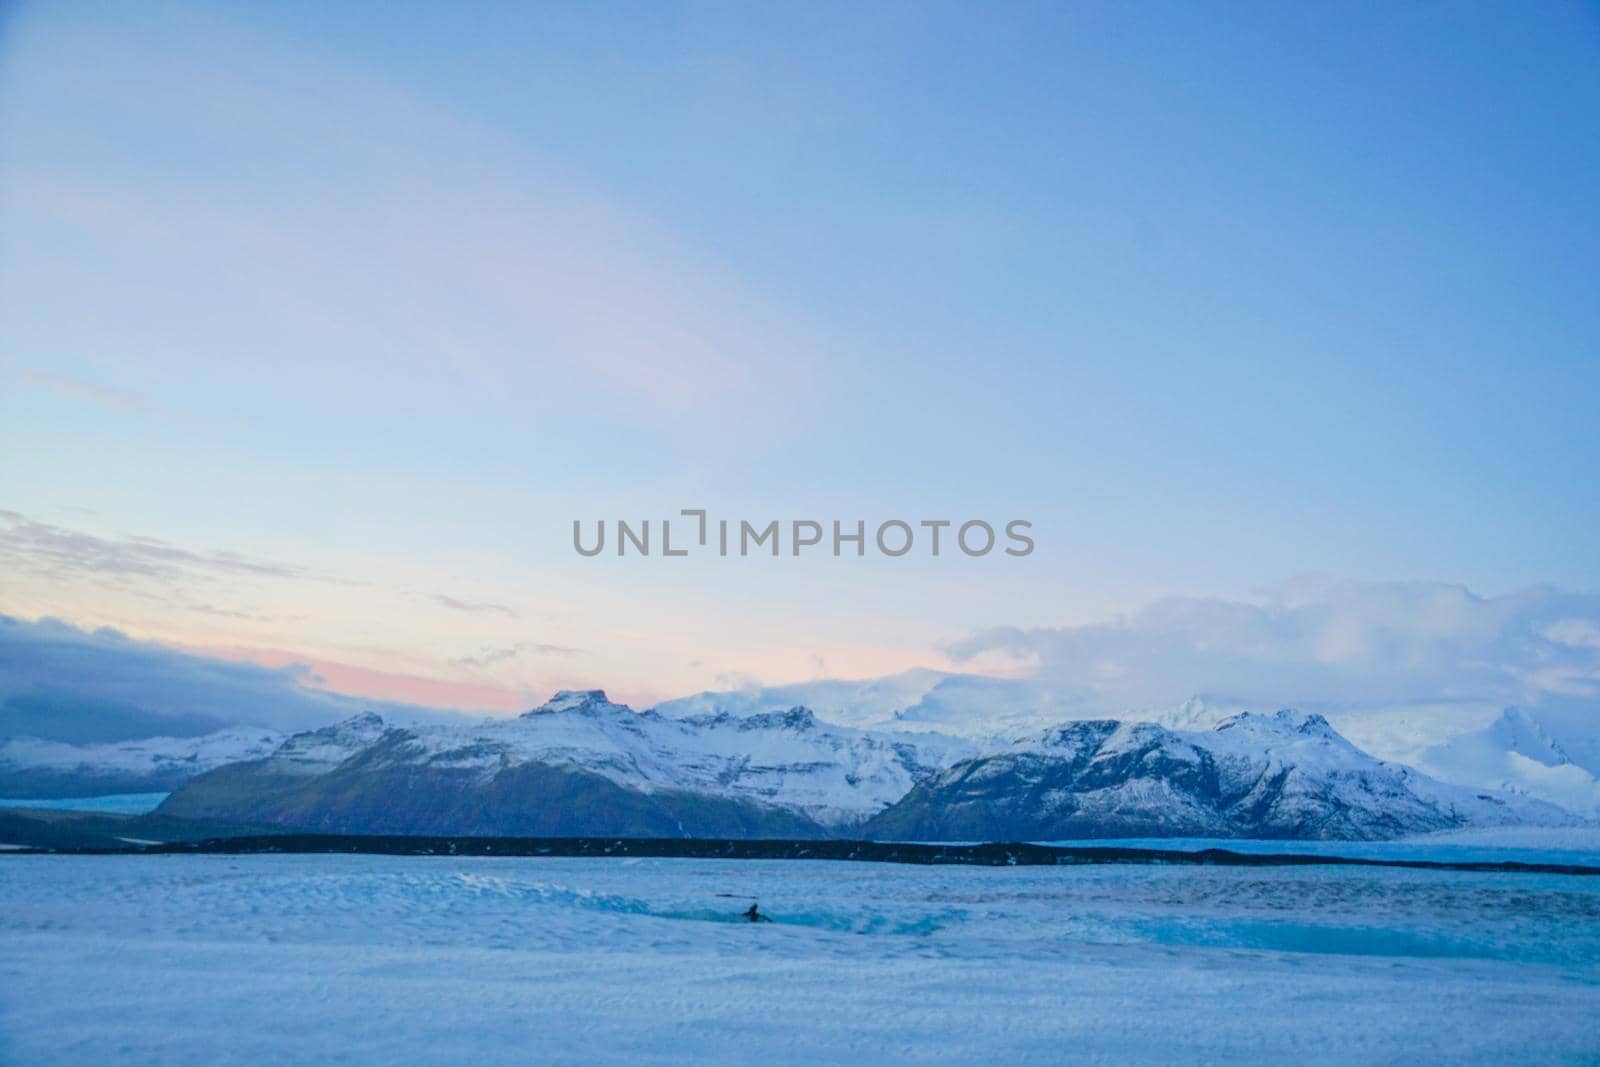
346, 958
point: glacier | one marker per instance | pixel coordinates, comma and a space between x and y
179, 960
33, 767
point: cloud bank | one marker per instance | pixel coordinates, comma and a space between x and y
1327, 646
65, 684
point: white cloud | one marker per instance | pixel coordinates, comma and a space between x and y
1326, 645
1578, 633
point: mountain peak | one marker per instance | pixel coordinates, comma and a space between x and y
573, 700
796, 718
1520, 732
1283, 721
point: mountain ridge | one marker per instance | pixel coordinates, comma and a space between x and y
1284, 775
581, 752
580, 764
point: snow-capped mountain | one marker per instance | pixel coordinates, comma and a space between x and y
1516, 754
1286, 775
316, 752
578, 764
979, 707
582, 765
30, 767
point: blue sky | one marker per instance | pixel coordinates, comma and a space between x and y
378, 299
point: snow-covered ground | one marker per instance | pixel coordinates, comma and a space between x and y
191, 959
150, 756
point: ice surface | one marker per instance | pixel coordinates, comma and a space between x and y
1572, 845
173, 959
114, 804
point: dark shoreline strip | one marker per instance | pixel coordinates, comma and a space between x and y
983, 855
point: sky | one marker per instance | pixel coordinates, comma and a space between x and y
320, 324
